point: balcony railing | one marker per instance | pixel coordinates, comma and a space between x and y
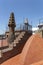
23, 27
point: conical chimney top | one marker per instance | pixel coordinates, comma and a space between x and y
12, 20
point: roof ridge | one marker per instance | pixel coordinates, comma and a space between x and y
26, 50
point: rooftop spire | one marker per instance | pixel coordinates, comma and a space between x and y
12, 20
11, 25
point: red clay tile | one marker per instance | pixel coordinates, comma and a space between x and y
31, 53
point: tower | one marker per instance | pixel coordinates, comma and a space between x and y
11, 26
26, 24
40, 26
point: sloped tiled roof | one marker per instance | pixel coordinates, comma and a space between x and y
38, 63
13, 61
33, 50
31, 53
3, 43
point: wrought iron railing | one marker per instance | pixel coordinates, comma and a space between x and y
23, 27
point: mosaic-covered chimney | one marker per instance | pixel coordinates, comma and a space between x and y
11, 26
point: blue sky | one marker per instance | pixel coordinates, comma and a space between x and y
31, 9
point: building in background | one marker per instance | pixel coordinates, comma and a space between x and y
34, 30
40, 31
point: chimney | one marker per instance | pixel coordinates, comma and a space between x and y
11, 26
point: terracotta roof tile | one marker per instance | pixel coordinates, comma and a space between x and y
3, 43
31, 53
38, 63
33, 50
13, 61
